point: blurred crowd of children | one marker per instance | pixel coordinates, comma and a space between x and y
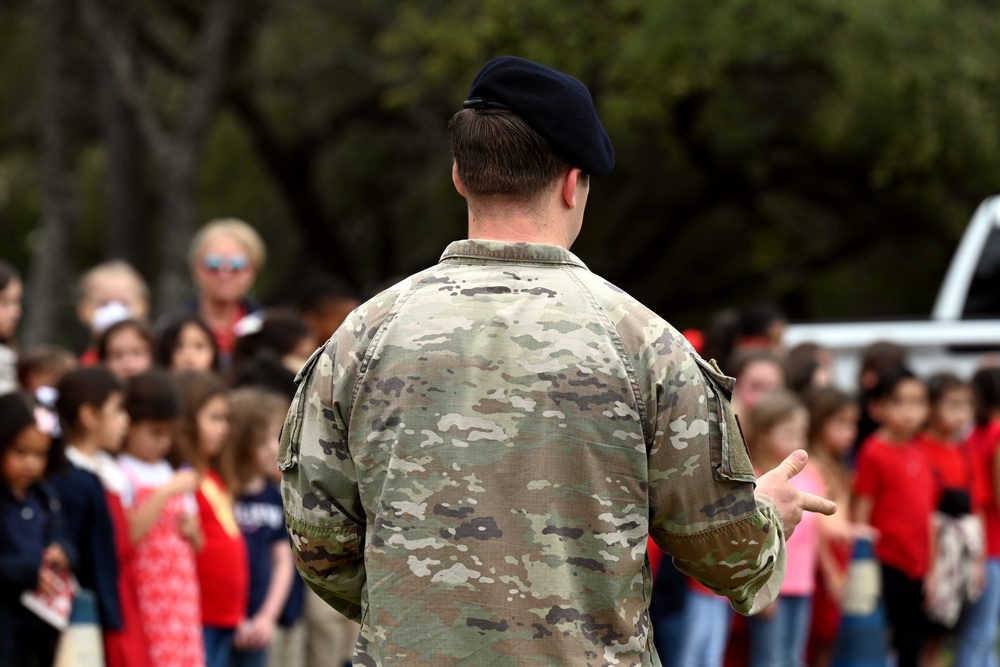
911, 463
146, 468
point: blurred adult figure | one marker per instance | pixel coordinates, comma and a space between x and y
278, 332
731, 333
11, 290
758, 373
808, 366
226, 256
324, 303
761, 327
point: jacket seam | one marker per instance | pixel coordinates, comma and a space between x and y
373, 345
510, 259
622, 353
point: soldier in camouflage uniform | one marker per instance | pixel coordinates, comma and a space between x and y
474, 461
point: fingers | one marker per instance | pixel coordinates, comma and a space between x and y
54, 556
813, 503
794, 463
47, 582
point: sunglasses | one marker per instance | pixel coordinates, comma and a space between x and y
216, 262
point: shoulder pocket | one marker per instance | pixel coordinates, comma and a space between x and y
730, 457
291, 430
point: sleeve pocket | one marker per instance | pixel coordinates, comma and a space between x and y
730, 457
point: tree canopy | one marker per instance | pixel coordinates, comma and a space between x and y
822, 155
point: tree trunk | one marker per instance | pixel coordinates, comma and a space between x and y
175, 146
178, 186
48, 276
126, 214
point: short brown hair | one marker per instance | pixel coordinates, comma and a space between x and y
152, 396
84, 386
499, 156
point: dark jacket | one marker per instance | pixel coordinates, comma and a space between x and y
91, 531
20, 559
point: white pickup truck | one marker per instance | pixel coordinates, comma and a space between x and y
963, 333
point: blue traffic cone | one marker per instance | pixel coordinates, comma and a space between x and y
81, 643
861, 639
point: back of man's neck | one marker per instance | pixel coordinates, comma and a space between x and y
514, 238
516, 229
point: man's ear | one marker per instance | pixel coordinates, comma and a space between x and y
570, 185
455, 179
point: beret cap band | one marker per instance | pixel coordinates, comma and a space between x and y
480, 104
556, 105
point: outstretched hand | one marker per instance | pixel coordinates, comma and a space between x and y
791, 502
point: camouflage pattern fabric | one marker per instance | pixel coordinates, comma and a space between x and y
473, 463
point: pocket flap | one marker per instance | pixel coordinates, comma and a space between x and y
730, 456
291, 430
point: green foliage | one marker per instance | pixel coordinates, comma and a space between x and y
809, 152
19, 194
234, 183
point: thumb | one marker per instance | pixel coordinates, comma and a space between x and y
794, 463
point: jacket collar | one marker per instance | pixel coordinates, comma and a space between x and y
488, 251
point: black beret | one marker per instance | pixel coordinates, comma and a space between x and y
556, 105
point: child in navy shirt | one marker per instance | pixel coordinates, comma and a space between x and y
255, 421
34, 551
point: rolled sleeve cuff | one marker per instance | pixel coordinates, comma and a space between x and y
743, 560
330, 561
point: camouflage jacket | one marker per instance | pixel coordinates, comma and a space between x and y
473, 463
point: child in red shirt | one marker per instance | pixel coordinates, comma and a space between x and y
959, 561
895, 492
222, 562
979, 628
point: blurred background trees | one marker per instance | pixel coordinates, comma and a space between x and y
824, 155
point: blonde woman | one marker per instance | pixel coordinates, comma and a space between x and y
226, 256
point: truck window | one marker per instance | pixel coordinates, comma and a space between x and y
984, 293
